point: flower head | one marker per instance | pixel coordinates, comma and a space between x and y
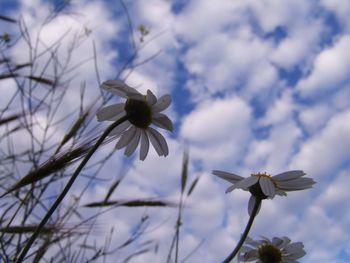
141, 111
279, 250
263, 185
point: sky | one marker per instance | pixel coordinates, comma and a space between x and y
256, 86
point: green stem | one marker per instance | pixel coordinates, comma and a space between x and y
66, 188
245, 233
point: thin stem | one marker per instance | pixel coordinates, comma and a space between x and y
178, 225
67, 187
246, 231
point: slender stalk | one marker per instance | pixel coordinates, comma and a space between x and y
178, 225
67, 187
245, 233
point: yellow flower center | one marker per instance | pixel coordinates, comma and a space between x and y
139, 113
269, 254
262, 174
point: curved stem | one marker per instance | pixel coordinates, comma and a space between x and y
246, 231
66, 188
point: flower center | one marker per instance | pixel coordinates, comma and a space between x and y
139, 113
269, 254
262, 174
256, 190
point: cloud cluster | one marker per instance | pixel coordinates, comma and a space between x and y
250, 113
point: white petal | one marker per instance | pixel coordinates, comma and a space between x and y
119, 116
126, 138
295, 255
251, 204
136, 96
288, 175
265, 239
247, 182
162, 121
162, 103
151, 99
296, 184
133, 143
253, 242
300, 254
158, 142
294, 247
245, 249
286, 241
267, 186
291, 258
280, 192
277, 241
232, 178
250, 255
117, 131
110, 112
118, 88
155, 143
231, 188
144, 145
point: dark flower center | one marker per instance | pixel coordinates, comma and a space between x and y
269, 254
139, 113
255, 190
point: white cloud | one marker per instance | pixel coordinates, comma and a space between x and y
322, 235
67, 39
142, 83
218, 129
154, 169
159, 46
330, 69
212, 120
273, 154
334, 198
229, 54
299, 46
271, 14
323, 153
341, 9
201, 19
224, 63
314, 118
233, 55
280, 110
282, 137
206, 202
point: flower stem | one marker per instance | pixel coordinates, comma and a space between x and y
246, 231
67, 187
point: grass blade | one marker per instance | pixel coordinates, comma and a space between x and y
193, 185
184, 174
8, 19
41, 80
132, 203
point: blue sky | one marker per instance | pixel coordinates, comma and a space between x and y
256, 86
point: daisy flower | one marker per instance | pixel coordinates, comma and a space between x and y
263, 185
277, 250
141, 111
